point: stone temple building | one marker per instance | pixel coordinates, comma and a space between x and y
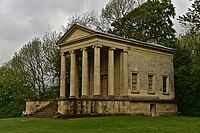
118, 75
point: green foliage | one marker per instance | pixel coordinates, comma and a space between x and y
187, 71
33, 73
116, 9
150, 22
39, 61
191, 20
13, 92
187, 62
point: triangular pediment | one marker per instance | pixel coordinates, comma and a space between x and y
77, 33
74, 33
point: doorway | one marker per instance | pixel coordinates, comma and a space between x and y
104, 85
153, 109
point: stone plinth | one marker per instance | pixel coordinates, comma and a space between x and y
93, 107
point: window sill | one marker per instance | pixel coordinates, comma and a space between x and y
150, 92
165, 93
135, 92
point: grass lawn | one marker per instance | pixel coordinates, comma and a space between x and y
119, 124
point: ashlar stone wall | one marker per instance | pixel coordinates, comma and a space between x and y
144, 62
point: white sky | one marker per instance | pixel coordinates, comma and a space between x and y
22, 20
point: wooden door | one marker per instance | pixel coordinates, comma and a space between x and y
104, 85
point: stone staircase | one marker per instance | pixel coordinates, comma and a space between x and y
48, 111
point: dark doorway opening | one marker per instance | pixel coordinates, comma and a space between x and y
153, 109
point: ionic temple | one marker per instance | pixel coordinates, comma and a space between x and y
113, 75
119, 75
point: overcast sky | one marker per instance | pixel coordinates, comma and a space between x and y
21, 20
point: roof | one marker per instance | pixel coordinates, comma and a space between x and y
99, 33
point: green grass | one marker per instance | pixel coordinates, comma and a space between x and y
118, 124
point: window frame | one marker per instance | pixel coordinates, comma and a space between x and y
165, 85
136, 90
152, 90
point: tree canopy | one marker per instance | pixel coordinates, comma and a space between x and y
33, 61
14, 90
191, 20
187, 63
116, 9
150, 22
187, 71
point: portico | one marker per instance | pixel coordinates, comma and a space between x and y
98, 64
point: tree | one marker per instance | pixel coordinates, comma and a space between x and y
14, 90
39, 62
187, 62
191, 20
116, 9
150, 22
187, 70
87, 19
32, 73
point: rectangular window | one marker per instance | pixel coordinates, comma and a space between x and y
134, 81
150, 83
164, 84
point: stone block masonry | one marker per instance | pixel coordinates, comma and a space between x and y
81, 108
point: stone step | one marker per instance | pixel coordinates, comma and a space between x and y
48, 111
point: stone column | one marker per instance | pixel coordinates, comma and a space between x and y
111, 72
125, 66
121, 73
73, 75
124, 73
77, 76
97, 74
63, 76
85, 74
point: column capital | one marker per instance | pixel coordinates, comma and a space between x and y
84, 49
125, 51
63, 53
111, 48
97, 46
71, 52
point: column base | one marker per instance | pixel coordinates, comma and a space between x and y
72, 97
62, 97
124, 97
85, 97
97, 97
111, 97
